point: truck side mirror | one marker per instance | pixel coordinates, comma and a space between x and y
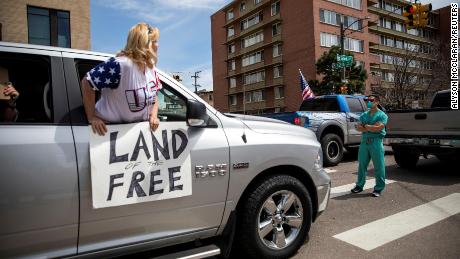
196, 114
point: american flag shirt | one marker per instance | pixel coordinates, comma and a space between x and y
127, 94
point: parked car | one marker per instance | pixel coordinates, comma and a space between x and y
333, 119
267, 199
435, 131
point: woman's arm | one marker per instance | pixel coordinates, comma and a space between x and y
153, 115
89, 101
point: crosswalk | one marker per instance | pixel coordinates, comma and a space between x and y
385, 230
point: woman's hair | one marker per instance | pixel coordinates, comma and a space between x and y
137, 45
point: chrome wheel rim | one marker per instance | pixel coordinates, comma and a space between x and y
332, 150
280, 219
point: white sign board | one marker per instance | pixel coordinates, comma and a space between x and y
132, 164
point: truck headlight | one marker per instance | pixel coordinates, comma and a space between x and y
319, 160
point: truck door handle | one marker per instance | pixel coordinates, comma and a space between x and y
420, 116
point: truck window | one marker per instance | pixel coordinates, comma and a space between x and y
171, 105
441, 100
30, 76
320, 105
354, 104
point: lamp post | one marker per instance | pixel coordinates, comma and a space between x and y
342, 38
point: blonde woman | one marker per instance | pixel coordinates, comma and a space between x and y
128, 83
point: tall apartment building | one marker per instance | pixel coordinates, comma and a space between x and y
396, 44
258, 46
46, 22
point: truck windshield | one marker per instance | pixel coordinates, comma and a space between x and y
320, 105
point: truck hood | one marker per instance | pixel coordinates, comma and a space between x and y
271, 126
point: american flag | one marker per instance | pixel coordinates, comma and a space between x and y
307, 93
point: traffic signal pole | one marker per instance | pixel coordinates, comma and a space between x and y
342, 38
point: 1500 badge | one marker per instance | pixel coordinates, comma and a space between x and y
241, 165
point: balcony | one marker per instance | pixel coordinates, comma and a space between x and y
381, 30
257, 47
278, 81
255, 105
390, 67
279, 102
385, 13
250, 10
391, 50
372, 2
254, 28
252, 67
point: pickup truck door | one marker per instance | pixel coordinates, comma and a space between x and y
355, 110
178, 219
38, 179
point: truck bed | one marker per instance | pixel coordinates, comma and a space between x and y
434, 122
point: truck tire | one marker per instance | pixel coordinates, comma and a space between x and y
275, 219
405, 158
332, 146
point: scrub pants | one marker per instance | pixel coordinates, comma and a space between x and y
371, 148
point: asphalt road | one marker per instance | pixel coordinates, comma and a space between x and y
417, 215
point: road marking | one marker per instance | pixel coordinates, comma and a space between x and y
345, 189
330, 170
385, 230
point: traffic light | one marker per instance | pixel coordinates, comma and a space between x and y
411, 14
423, 11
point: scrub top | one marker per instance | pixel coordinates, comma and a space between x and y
379, 116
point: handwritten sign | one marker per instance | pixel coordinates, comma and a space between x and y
132, 164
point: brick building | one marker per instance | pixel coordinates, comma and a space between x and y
258, 46
46, 22
207, 96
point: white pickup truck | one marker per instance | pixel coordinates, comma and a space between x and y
434, 131
259, 180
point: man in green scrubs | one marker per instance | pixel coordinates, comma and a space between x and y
372, 127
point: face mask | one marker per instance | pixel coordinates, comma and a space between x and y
370, 104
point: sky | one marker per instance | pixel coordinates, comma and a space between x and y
185, 31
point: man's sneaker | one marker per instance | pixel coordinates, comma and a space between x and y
356, 189
376, 193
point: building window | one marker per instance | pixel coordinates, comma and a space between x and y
232, 82
254, 77
230, 31
255, 96
328, 40
253, 58
276, 8
256, 2
253, 39
277, 71
334, 18
356, 4
231, 48
276, 29
360, 63
277, 50
243, 6
230, 15
231, 65
210, 97
279, 92
48, 27
232, 99
251, 21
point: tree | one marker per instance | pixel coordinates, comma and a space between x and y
331, 82
409, 77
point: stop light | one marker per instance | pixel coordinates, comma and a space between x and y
411, 14
423, 12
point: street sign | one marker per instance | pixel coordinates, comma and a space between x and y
343, 61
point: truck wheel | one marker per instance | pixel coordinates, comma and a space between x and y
332, 146
275, 219
405, 158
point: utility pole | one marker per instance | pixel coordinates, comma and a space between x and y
196, 76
